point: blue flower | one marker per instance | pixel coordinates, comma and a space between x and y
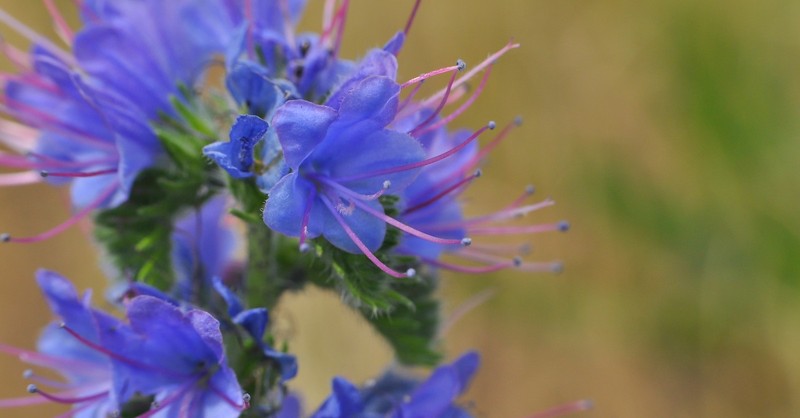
175, 356
396, 395
333, 151
86, 371
91, 110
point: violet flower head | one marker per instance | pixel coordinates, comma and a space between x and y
396, 395
87, 373
174, 356
85, 115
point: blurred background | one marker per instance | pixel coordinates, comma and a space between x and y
667, 131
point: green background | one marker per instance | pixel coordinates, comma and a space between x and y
667, 132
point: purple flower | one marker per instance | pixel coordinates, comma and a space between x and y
395, 395
175, 356
86, 115
87, 372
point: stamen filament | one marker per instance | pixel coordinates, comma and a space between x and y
357, 241
306, 218
562, 410
168, 400
464, 106
34, 37
62, 28
484, 151
516, 230
485, 63
69, 222
410, 230
423, 163
410, 20
458, 185
416, 131
469, 269
422, 77
509, 213
59, 398
410, 96
228, 400
340, 29
45, 173
19, 179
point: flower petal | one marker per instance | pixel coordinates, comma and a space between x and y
301, 126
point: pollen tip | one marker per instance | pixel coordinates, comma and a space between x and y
32, 388
304, 247
563, 226
27, 374
530, 189
387, 184
5, 237
62, 325
466, 241
517, 261
411, 272
461, 65
478, 173
491, 125
518, 121
586, 404
44, 173
558, 267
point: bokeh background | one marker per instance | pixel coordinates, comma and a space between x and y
667, 131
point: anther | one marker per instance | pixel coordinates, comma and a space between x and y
461, 65
411, 273
466, 241
518, 121
32, 388
304, 247
558, 267
478, 173
5, 237
27, 374
387, 184
44, 173
492, 125
530, 189
517, 261
563, 226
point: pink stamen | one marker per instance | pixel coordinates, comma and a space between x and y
386, 269
509, 213
17, 136
410, 20
410, 96
327, 181
470, 269
464, 106
487, 62
519, 264
410, 230
88, 12
327, 13
30, 375
340, 29
45, 173
417, 130
423, 163
529, 191
15, 161
34, 37
68, 223
20, 59
457, 186
517, 230
422, 77
74, 411
43, 121
100, 349
60, 398
44, 360
503, 134
468, 306
19, 179
562, 410
62, 28
26, 401
328, 30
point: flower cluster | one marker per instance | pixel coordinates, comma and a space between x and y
333, 173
